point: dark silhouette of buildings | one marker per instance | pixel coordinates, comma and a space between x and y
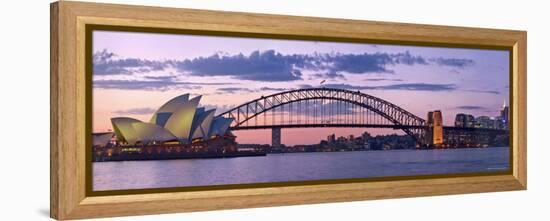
464, 120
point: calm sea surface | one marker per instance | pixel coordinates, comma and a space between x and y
295, 167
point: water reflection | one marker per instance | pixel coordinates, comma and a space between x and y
295, 167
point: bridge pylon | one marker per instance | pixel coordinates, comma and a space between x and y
276, 137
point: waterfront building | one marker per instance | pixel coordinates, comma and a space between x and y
465, 120
505, 115
331, 138
460, 120
484, 122
470, 121
366, 136
178, 120
499, 123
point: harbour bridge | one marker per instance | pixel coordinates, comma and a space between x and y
326, 107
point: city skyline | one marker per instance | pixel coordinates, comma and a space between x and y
134, 73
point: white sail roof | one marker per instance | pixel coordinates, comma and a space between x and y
151, 132
165, 111
102, 139
181, 121
219, 126
201, 124
124, 130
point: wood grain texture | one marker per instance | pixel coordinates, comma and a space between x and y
519, 117
68, 111
54, 95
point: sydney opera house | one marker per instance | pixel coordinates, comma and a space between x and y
178, 120
179, 129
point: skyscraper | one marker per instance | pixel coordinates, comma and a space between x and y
505, 115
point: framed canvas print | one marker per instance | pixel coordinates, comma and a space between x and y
159, 110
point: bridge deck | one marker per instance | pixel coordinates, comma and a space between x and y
330, 125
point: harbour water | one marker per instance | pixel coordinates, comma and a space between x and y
296, 167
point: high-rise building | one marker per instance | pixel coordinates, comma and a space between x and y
464, 120
499, 123
484, 122
469, 121
460, 120
505, 115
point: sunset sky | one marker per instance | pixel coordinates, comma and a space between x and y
135, 73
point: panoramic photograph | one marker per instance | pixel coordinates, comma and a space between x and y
177, 110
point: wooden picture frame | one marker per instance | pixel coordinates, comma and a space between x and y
69, 197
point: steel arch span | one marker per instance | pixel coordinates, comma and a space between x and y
318, 107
